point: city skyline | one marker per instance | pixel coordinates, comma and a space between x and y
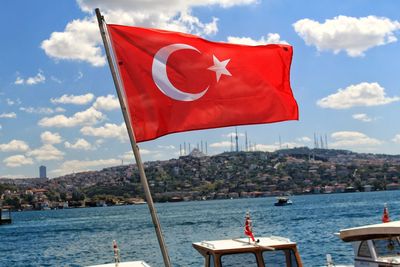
58, 105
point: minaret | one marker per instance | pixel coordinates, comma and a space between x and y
246, 145
322, 142
206, 148
326, 141
180, 149
231, 142
237, 141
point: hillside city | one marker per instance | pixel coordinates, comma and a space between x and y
200, 177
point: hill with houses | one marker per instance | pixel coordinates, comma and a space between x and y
198, 177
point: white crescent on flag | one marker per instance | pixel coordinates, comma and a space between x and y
160, 76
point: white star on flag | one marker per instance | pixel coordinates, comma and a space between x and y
220, 67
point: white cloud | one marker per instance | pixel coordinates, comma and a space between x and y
80, 144
128, 156
82, 165
87, 117
109, 130
1, 127
349, 139
267, 148
362, 94
168, 147
223, 144
19, 81
38, 78
233, 134
81, 40
10, 102
73, 99
396, 139
17, 161
99, 142
14, 145
304, 139
55, 79
46, 152
10, 115
109, 102
362, 117
59, 109
41, 110
50, 138
342, 33
275, 146
272, 38
79, 76
144, 151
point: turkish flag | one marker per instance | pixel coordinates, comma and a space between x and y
177, 82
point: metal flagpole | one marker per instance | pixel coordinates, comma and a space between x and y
135, 147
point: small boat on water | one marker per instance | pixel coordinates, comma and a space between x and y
283, 201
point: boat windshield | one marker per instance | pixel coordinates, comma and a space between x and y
239, 260
387, 247
280, 258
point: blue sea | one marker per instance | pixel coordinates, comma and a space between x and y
79, 237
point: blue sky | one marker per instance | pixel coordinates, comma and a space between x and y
58, 106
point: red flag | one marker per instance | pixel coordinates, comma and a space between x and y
248, 227
385, 216
177, 82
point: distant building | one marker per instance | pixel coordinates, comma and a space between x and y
42, 172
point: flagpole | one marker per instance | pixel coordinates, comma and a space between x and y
134, 145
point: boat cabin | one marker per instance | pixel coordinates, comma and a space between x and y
267, 251
376, 245
5, 215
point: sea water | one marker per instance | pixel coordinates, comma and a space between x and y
79, 237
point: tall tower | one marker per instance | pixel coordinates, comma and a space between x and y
247, 144
42, 172
237, 141
322, 142
326, 141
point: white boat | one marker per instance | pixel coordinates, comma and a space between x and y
376, 245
